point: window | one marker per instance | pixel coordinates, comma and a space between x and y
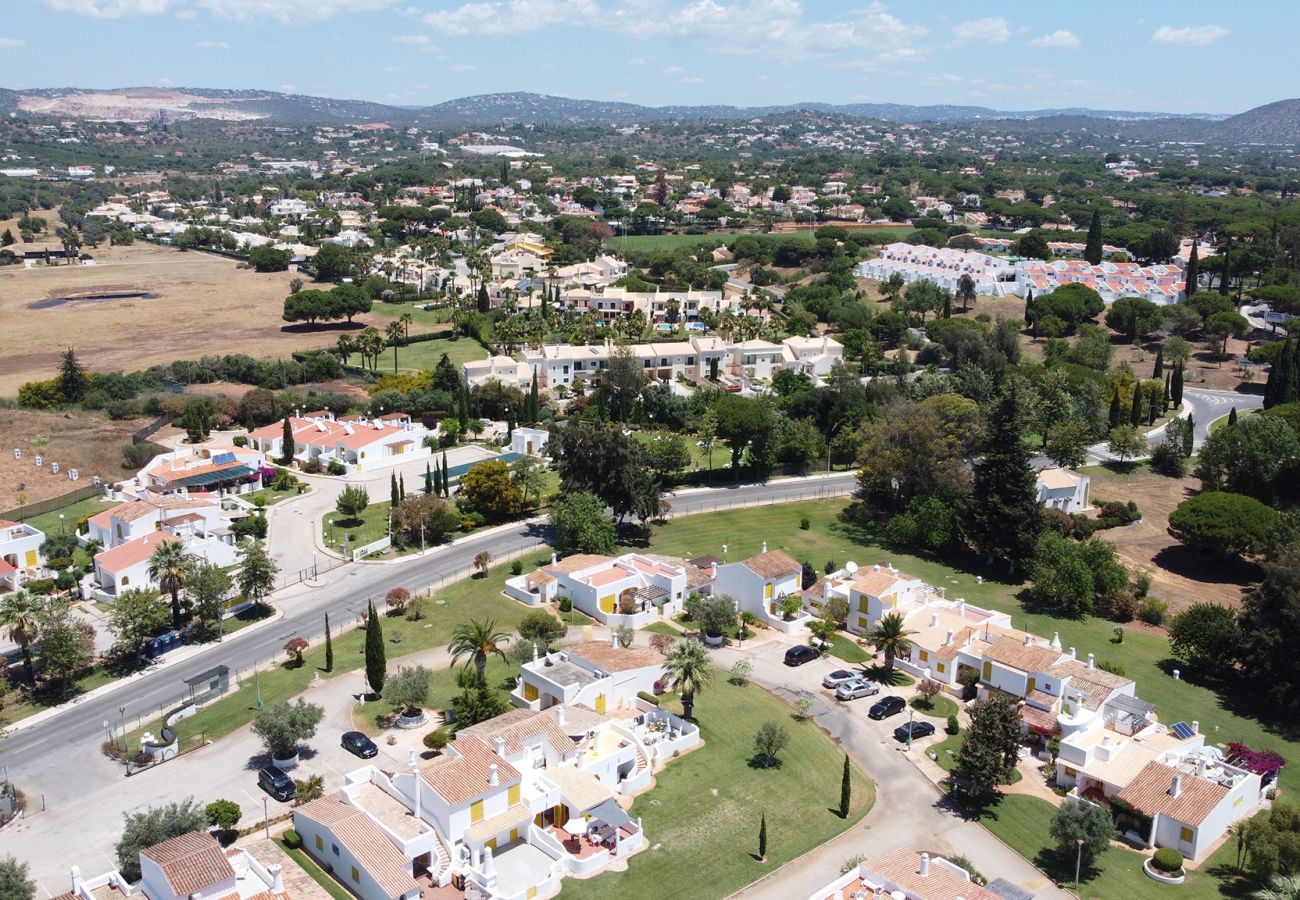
320, 842
356, 876
925, 656
862, 604
1185, 834
988, 671
512, 794
649, 363
663, 361
476, 811
530, 691
126, 579
690, 360
767, 591
335, 848
941, 668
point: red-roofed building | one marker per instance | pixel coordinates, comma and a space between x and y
356, 443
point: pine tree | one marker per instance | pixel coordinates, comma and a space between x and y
1007, 520
1114, 410
1159, 368
1135, 411
376, 656
287, 448
1176, 386
428, 480
1193, 272
394, 498
762, 837
329, 646
72, 377
846, 790
481, 301
1232, 417
1092, 250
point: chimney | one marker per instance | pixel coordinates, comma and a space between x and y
925, 865
1072, 653
948, 640
1200, 766
934, 620
1029, 640
713, 570
493, 778
1092, 661
76, 879
488, 869
876, 567
553, 559
559, 714
1196, 727
764, 546
499, 745
277, 879
613, 642
961, 606
1176, 785
1056, 640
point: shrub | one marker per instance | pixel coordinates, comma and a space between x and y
436, 740
565, 604
1167, 859
1113, 668
312, 467
335, 468
292, 839
40, 585
953, 725
648, 697
970, 684
1166, 459
804, 523
1153, 611
239, 440
517, 567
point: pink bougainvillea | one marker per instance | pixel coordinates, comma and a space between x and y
1261, 762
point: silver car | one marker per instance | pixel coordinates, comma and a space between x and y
839, 677
858, 687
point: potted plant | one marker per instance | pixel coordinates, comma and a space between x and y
714, 615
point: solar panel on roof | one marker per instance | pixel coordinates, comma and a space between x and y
1182, 730
221, 458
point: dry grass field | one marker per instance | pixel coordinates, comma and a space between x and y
204, 304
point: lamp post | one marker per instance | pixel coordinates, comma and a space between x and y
60, 523
266, 818
740, 626
911, 713
1078, 860
121, 711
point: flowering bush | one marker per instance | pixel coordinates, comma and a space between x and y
1261, 762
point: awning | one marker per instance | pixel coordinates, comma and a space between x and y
207, 479
611, 812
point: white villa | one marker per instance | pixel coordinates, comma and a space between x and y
205, 470
905, 874
633, 589
358, 443
1063, 489
1161, 284
597, 675
944, 266
760, 585
20, 553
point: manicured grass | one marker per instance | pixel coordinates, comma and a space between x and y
576, 617
49, 522
946, 755
425, 354
371, 526
1022, 822
706, 805
17, 707
663, 628
443, 687
272, 497
940, 707
847, 649
421, 319
308, 865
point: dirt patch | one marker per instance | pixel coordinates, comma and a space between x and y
204, 304
1178, 576
91, 444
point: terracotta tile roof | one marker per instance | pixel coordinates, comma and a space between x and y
1148, 793
903, 868
877, 584
132, 553
513, 815
1010, 652
1042, 698
516, 727
541, 576
190, 862
579, 787
1074, 669
1038, 718
355, 830
772, 564
576, 562
462, 776
621, 659
134, 509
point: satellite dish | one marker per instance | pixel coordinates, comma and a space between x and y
850, 567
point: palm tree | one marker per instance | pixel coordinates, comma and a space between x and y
476, 639
395, 333
891, 637
406, 319
18, 612
688, 669
169, 566
1281, 887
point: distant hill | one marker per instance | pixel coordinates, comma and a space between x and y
1273, 123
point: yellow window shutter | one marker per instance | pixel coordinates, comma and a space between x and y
941, 667
767, 591
530, 691
862, 604
988, 671
476, 811
512, 795
31, 559
1185, 834
925, 656
1029, 686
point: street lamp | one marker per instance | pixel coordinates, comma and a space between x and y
740, 625
911, 713
60, 523
1078, 859
266, 817
121, 711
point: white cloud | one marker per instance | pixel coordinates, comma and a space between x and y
288, 88
511, 16
463, 67
1189, 35
111, 9
1059, 38
11, 43
990, 30
288, 12
420, 41
674, 70
212, 45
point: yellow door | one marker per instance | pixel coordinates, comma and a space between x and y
530, 691
512, 795
607, 604
529, 451
561, 815
767, 591
492, 845
514, 835
988, 671
31, 559
600, 703
537, 820
1029, 686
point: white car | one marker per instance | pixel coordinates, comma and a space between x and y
858, 687
839, 677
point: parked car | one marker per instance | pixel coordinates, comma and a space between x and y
358, 743
839, 677
858, 687
797, 656
886, 707
275, 782
913, 731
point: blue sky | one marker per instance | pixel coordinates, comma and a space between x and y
1178, 57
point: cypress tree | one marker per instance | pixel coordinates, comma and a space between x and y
1193, 270
1159, 368
376, 657
394, 498
510, 424
287, 448
534, 405
329, 646
1176, 386
1151, 412
482, 302
72, 377
1092, 250
1007, 520
1189, 435
846, 790
446, 476
1164, 400
1232, 417
428, 480
1114, 410
762, 837
401, 487
1135, 411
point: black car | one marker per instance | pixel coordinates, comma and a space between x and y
913, 731
886, 707
275, 782
797, 656
358, 743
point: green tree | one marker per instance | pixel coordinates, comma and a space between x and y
477, 701
73, 380
1223, 524
1126, 442
476, 640
667, 456
207, 588
1067, 443
14, 883
170, 566
988, 754
20, 618
770, 739
329, 646
580, 525
529, 476
257, 573
282, 726
1006, 519
1249, 458
151, 826
1092, 249
222, 814
489, 489
376, 654
1192, 274
1079, 821
268, 259
1133, 317
541, 627
352, 502
332, 262
1270, 618
688, 670
745, 423
67, 644
1223, 325
762, 837
846, 789
891, 637
1208, 638
1158, 367
408, 690
287, 447
135, 617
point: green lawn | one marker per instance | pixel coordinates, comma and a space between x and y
442, 686
421, 319
847, 649
663, 628
18, 707
706, 805
49, 522
425, 354
272, 497
373, 525
940, 707
1022, 822
308, 865
946, 755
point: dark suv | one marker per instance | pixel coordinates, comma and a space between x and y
886, 707
276, 783
797, 656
